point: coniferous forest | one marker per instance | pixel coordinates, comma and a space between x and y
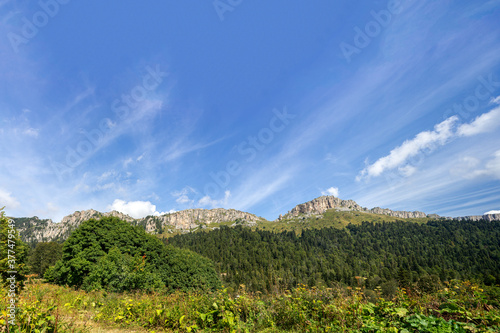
380, 252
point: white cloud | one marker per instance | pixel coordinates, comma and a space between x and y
183, 195
487, 122
136, 209
7, 200
207, 201
400, 155
492, 212
331, 191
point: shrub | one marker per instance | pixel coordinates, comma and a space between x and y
429, 283
389, 289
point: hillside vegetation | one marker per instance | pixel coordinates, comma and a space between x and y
456, 306
384, 253
314, 273
331, 218
113, 255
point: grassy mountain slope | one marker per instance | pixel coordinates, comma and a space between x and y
331, 218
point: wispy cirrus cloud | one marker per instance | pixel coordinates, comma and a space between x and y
183, 196
491, 168
207, 201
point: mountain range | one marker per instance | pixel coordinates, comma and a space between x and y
34, 229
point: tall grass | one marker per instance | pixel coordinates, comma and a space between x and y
456, 307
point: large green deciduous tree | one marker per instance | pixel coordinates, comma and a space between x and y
123, 247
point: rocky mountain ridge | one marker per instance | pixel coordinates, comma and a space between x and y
320, 205
487, 217
193, 218
33, 230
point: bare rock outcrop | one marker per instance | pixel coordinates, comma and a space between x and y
322, 204
119, 215
193, 218
400, 213
487, 217
33, 230
36, 230
491, 217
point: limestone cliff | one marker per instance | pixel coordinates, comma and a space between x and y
320, 205
399, 213
33, 230
194, 218
487, 217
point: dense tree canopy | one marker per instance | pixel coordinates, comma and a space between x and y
43, 256
112, 254
380, 252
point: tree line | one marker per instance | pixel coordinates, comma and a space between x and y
375, 253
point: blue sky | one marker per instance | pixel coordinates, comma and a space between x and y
254, 105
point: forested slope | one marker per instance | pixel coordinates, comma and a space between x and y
380, 252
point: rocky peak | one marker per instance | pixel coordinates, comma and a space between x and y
322, 204
119, 215
79, 216
193, 218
